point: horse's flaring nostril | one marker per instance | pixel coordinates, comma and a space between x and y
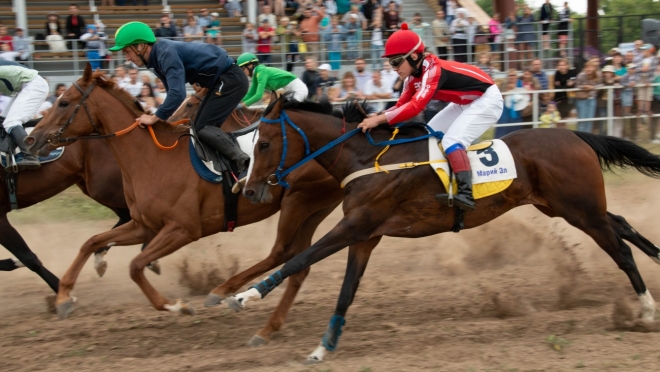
30, 141
249, 192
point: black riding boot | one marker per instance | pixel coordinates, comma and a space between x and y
29, 161
458, 160
222, 142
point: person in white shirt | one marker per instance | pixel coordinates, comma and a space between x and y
267, 15
133, 85
375, 89
361, 76
388, 75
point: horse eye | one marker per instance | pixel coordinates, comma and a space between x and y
64, 104
188, 105
263, 145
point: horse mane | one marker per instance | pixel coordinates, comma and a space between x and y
322, 107
101, 80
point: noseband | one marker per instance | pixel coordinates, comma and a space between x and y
55, 139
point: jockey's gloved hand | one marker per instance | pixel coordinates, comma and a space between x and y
240, 106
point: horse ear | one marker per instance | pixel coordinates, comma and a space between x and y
279, 102
87, 75
273, 97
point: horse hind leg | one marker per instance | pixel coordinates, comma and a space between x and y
627, 232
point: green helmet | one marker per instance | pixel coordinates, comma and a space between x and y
133, 33
246, 58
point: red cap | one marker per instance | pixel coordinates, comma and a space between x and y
403, 41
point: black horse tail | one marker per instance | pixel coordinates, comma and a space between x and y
613, 151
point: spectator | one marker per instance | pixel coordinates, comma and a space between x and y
204, 19
234, 9
375, 89
377, 43
485, 65
324, 81
193, 32
619, 67
213, 34
334, 41
310, 76
250, 38
309, 29
509, 113
268, 16
5, 38
54, 34
133, 86
628, 82
6, 54
564, 79
391, 19
122, 77
95, 45
148, 99
537, 70
474, 35
450, 11
526, 33
646, 70
370, 9
330, 7
602, 99
167, 28
637, 52
160, 91
655, 107
629, 58
75, 26
495, 32
145, 78
352, 27
189, 14
509, 32
361, 76
459, 30
546, 17
279, 7
420, 28
288, 34
348, 89
550, 117
564, 22
528, 82
585, 99
266, 33
355, 11
389, 76
59, 90
441, 34
21, 45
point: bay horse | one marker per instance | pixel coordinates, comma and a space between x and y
170, 205
558, 171
92, 167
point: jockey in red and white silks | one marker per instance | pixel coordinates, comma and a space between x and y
475, 102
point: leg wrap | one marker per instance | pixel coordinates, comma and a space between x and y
269, 284
331, 335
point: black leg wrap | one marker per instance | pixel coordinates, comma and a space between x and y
269, 284
459, 215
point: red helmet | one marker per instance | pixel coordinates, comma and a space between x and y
404, 41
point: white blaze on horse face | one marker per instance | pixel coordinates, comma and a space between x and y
255, 139
318, 354
648, 306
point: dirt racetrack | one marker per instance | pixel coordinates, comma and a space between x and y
523, 293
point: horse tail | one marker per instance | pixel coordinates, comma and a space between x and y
613, 151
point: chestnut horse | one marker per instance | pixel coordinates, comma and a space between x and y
92, 167
170, 205
558, 171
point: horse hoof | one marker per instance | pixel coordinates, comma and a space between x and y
213, 300
101, 267
233, 304
65, 308
155, 267
311, 360
50, 304
180, 307
257, 341
187, 309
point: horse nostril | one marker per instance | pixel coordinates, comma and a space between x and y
249, 192
30, 140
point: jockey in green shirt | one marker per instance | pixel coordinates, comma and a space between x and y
268, 78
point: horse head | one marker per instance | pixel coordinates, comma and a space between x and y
188, 108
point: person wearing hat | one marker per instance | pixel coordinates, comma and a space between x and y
608, 79
28, 91
628, 82
645, 72
268, 78
324, 81
475, 103
176, 63
95, 45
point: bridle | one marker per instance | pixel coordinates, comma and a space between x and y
54, 139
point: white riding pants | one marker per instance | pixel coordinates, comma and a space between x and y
298, 88
25, 104
465, 123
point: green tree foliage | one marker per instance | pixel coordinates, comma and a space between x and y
618, 25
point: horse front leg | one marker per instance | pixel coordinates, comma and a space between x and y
358, 258
127, 234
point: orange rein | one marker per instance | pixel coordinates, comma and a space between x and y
153, 134
238, 120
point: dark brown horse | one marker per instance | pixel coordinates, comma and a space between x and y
170, 205
558, 171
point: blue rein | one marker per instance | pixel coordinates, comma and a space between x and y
284, 119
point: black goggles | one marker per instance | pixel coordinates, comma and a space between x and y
397, 61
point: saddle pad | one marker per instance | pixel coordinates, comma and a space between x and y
206, 169
493, 168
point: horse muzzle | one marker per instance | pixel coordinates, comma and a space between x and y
260, 193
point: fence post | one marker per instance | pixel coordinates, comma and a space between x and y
76, 65
610, 111
535, 108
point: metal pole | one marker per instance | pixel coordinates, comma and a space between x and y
252, 11
610, 111
21, 15
535, 109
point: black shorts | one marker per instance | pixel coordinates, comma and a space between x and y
222, 99
545, 27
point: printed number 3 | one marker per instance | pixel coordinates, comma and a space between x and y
491, 157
